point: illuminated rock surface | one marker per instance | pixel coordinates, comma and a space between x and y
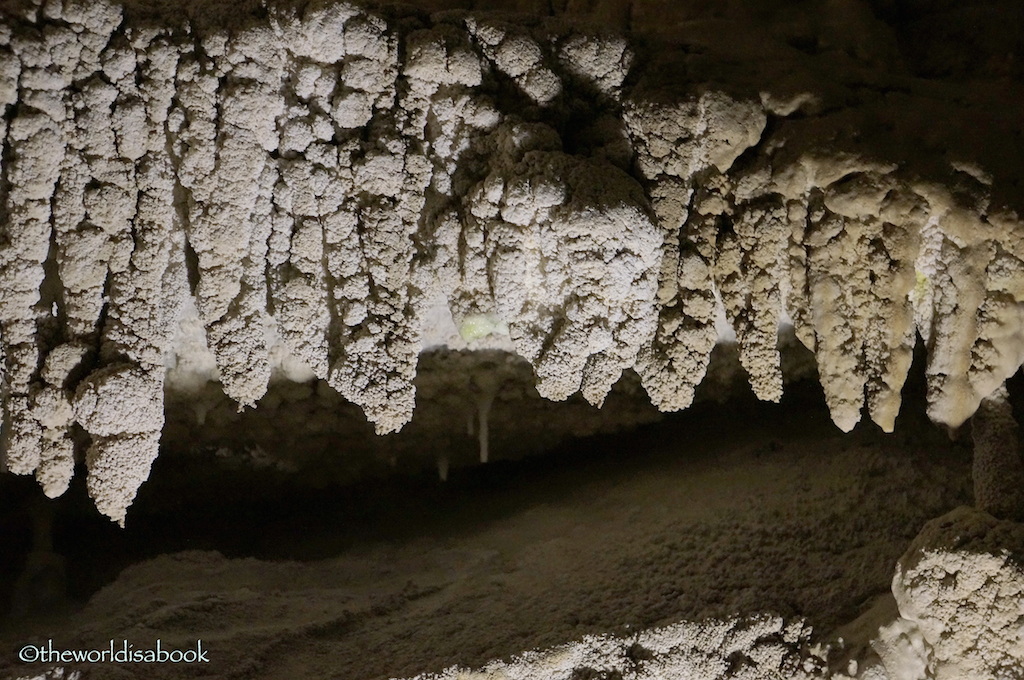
335, 241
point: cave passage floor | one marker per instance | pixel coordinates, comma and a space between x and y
725, 510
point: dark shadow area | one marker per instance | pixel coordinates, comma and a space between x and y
958, 40
271, 515
730, 507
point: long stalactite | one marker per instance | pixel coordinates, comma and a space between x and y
319, 174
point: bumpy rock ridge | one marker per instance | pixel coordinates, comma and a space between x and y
317, 174
757, 648
960, 584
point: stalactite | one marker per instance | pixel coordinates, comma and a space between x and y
310, 179
487, 386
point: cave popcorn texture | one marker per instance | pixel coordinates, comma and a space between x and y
316, 177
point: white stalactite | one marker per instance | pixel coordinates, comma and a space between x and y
488, 390
321, 173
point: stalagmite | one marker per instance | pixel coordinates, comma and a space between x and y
960, 584
998, 472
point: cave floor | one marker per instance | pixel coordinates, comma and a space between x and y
723, 511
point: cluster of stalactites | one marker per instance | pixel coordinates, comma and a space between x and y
860, 260
317, 177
